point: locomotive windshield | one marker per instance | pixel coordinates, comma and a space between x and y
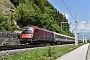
27, 30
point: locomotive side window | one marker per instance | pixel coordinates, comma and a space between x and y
27, 30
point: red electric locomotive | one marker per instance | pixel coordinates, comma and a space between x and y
33, 34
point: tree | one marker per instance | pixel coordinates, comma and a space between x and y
24, 14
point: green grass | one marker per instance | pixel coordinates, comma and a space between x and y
49, 53
0, 44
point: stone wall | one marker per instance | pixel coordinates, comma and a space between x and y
8, 38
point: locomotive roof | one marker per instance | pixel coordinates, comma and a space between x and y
39, 28
45, 30
31, 26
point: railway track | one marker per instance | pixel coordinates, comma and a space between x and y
12, 47
9, 50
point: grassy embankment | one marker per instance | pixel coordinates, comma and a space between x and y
49, 53
0, 44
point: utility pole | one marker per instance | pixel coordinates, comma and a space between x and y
76, 34
83, 35
76, 38
86, 40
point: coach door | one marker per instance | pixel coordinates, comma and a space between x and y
35, 34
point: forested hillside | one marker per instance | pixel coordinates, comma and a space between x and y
34, 12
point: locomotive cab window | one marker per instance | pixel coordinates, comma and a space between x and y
27, 30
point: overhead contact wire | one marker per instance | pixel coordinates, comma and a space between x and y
67, 8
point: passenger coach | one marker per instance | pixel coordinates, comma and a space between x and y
60, 38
